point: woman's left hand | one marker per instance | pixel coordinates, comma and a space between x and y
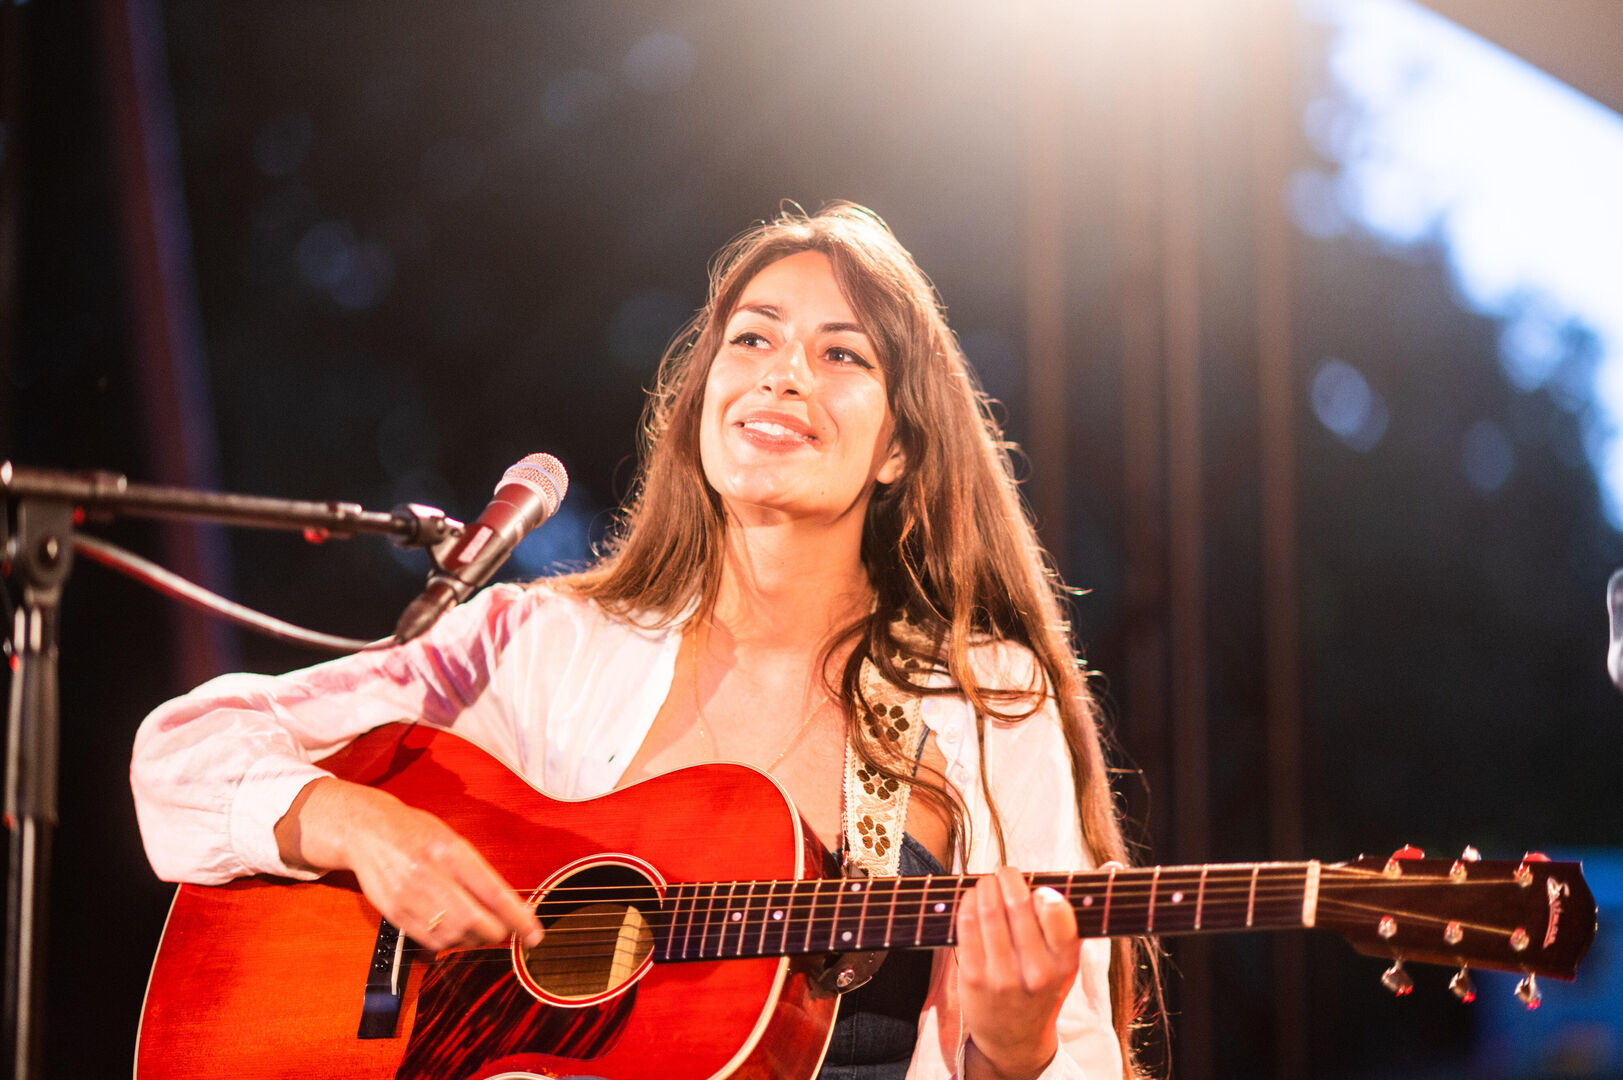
1018, 954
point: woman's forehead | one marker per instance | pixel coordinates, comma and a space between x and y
797, 286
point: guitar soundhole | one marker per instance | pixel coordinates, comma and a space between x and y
598, 935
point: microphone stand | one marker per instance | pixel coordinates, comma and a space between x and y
43, 507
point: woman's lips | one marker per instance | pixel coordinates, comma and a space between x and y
775, 431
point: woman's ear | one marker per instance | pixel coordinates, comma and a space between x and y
895, 466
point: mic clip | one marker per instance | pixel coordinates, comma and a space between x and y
427, 527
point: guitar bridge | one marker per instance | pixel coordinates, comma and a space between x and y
385, 983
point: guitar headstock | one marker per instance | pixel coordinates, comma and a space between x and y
1534, 916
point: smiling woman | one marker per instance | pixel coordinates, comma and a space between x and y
795, 420
824, 573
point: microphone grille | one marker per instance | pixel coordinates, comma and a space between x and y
544, 474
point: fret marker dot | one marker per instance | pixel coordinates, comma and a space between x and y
940, 908
1177, 898
777, 914
846, 936
1087, 901
857, 887
737, 915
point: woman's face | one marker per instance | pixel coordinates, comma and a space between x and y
796, 422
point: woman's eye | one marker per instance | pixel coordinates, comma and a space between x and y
846, 356
749, 339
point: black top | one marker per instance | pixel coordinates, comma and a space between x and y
879, 1021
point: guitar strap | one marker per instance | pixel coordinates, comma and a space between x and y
875, 804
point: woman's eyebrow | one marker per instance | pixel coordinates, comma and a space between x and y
775, 313
842, 328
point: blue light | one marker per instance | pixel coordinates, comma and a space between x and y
1446, 139
1345, 403
1487, 456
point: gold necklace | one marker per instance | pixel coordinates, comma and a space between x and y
710, 739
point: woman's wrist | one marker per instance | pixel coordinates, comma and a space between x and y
1021, 1062
314, 831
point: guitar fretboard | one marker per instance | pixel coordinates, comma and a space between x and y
727, 919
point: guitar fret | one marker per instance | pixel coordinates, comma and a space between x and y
890, 920
1251, 898
788, 915
720, 923
770, 914
1310, 894
811, 914
726, 914
709, 924
862, 915
1110, 885
716, 921
742, 918
1155, 883
939, 898
766, 918
924, 895
834, 920
1200, 897
693, 909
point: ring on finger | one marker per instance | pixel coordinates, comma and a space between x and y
433, 923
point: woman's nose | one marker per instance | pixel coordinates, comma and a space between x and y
787, 370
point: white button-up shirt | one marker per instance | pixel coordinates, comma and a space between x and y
565, 694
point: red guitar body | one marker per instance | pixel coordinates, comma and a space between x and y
265, 977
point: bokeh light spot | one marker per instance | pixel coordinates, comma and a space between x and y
1487, 456
563, 543
1346, 404
326, 252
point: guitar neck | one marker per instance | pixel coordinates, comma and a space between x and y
726, 919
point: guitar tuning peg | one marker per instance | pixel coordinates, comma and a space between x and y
1524, 874
1470, 854
1397, 980
1462, 986
1527, 991
1402, 854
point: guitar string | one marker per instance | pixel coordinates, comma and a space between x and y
714, 947
713, 934
1130, 877
1126, 882
701, 908
907, 899
707, 923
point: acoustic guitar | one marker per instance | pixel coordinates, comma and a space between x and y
689, 930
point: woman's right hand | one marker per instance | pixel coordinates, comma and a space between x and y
418, 872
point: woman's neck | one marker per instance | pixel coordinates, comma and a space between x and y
787, 587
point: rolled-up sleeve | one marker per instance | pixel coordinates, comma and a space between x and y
213, 771
1029, 772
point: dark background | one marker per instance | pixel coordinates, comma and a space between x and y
377, 252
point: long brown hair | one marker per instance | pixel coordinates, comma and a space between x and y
948, 547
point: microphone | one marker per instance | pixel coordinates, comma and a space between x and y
529, 493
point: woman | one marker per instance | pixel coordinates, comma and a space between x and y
824, 518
